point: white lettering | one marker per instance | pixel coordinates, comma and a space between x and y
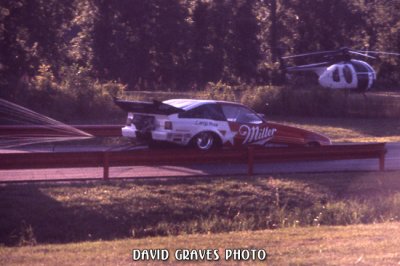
256, 134
150, 254
245, 254
196, 254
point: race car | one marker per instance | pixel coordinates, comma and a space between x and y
209, 124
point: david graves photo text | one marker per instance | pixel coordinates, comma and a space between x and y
199, 255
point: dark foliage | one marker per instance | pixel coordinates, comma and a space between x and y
182, 44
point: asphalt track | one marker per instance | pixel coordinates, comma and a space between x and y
392, 162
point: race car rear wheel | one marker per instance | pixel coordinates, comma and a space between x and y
206, 141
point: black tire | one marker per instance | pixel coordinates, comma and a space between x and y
206, 141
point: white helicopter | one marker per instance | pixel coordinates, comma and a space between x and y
340, 71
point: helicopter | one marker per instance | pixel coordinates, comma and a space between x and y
338, 70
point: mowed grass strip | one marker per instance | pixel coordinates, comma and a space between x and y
62, 213
375, 244
348, 129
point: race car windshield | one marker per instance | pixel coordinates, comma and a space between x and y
206, 111
238, 114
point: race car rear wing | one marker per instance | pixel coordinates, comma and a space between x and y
154, 107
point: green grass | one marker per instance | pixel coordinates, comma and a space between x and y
63, 213
348, 129
376, 244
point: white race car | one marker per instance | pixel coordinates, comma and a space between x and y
208, 124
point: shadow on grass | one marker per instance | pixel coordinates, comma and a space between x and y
29, 216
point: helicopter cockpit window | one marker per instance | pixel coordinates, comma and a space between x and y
348, 76
335, 75
359, 67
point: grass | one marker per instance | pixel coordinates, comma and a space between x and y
63, 213
348, 129
375, 244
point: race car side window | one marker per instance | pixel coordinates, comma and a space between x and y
206, 111
240, 114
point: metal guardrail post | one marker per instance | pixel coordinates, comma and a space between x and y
106, 166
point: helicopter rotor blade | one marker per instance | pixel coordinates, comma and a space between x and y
311, 65
361, 54
317, 68
343, 51
377, 52
308, 54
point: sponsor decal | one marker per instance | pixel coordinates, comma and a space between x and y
205, 123
256, 134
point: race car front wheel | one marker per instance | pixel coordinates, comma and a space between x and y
206, 141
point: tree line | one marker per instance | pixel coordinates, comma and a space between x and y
181, 44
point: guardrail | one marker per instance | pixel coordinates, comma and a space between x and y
250, 156
333, 152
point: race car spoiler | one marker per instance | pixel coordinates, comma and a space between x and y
154, 107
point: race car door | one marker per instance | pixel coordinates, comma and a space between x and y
247, 126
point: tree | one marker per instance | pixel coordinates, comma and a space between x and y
140, 42
31, 34
245, 42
